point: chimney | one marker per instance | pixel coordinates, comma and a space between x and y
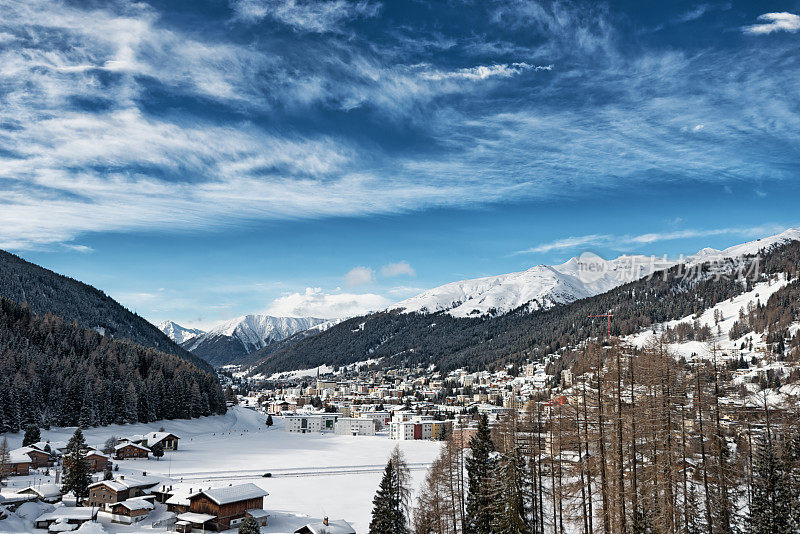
325, 521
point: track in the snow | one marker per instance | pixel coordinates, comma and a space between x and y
292, 472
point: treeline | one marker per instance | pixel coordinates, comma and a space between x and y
641, 443
487, 343
45, 291
58, 373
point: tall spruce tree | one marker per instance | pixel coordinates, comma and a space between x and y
770, 508
509, 483
76, 469
388, 516
479, 472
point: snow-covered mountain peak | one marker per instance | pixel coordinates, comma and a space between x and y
542, 286
255, 331
177, 333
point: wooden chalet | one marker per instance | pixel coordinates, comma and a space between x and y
106, 492
127, 450
18, 464
38, 458
131, 510
167, 440
96, 461
223, 508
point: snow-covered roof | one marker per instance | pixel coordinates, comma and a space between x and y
193, 517
257, 513
129, 444
127, 482
229, 494
76, 513
43, 490
137, 503
20, 456
155, 437
54, 445
333, 527
115, 485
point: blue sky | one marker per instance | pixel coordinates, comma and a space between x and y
201, 160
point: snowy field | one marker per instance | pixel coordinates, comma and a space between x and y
312, 475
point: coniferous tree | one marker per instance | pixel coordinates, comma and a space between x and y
479, 470
157, 450
249, 526
76, 469
508, 481
32, 435
771, 507
388, 516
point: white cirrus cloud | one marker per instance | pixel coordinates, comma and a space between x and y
481, 72
401, 268
314, 302
628, 241
359, 276
774, 22
317, 16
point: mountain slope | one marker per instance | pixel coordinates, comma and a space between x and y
45, 291
480, 342
232, 341
542, 287
177, 333
538, 288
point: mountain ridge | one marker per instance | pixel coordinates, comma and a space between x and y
46, 291
233, 340
545, 286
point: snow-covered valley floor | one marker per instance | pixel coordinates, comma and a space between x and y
312, 475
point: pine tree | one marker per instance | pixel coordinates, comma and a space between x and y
249, 526
76, 474
32, 435
157, 450
269, 420
508, 482
387, 505
479, 469
770, 509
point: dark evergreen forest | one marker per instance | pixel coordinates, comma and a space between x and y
54, 372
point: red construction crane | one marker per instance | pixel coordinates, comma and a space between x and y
609, 316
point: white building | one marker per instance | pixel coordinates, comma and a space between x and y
305, 424
355, 426
420, 427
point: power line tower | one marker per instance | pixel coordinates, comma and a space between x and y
608, 316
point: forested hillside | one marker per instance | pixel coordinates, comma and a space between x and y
54, 372
480, 343
45, 291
